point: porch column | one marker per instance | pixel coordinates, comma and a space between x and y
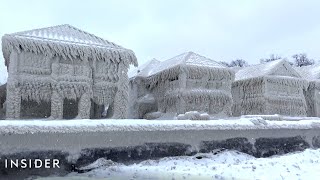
121, 101
317, 103
13, 102
56, 105
84, 106
181, 105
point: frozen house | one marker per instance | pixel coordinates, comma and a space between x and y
191, 82
312, 94
269, 88
64, 72
141, 100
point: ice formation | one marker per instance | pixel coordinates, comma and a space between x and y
187, 82
144, 70
312, 74
75, 74
269, 88
62, 62
141, 100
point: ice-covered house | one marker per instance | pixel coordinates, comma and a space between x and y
141, 99
65, 70
191, 82
269, 88
312, 95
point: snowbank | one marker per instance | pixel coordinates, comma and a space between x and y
224, 165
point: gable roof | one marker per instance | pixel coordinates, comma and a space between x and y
66, 41
264, 69
311, 72
189, 59
143, 70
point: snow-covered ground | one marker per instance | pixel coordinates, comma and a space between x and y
224, 165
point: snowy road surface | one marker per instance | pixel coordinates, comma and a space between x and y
224, 165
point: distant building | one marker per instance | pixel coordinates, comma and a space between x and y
141, 99
269, 88
189, 82
62, 70
312, 74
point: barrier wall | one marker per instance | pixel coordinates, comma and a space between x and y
77, 143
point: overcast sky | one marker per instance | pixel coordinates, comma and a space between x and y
220, 30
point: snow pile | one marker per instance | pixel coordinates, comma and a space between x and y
99, 163
224, 165
193, 115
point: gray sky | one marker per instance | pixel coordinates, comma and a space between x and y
220, 30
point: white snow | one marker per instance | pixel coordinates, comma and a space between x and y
86, 125
224, 165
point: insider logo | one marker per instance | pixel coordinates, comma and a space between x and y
31, 163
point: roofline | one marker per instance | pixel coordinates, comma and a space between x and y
66, 49
270, 71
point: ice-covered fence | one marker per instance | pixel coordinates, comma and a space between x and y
80, 142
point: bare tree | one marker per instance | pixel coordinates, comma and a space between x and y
224, 63
272, 57
302, 60
239, 63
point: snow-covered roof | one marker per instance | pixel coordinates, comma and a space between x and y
188, 58
311, 72
143, 70
66, 41
266, 69
236, 68
194, 64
